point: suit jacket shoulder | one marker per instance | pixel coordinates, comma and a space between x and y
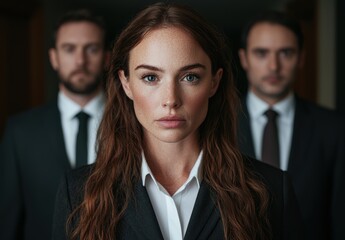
317, 169
33, 159
33, 119
284, 211
69, 195
321, 115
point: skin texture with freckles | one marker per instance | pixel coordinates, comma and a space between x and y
271, 60
162, 55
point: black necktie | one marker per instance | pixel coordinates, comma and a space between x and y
81, 146
270, 142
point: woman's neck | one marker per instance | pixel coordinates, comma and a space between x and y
171, 163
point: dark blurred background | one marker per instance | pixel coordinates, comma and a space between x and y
27, 80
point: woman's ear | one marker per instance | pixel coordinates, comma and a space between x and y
215, 81
125, 83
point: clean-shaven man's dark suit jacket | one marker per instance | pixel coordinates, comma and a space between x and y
139, 221
316, 167
33, 160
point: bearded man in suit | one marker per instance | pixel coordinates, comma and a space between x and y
41, 144
311, 144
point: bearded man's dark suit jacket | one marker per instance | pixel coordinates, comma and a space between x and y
139, 221
33, 160
316, 167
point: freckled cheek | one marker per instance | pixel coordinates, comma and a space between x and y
143, 105
199, 107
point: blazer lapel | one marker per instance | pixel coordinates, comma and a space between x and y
53, 127
140, 214
301, 137
205, 215
245, 139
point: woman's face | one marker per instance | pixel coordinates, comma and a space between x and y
170, 82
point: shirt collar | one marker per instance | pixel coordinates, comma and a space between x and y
286, 107
194, 173
257, 107
68, 108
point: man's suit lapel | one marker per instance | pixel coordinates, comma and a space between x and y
53, 127
245, 139
301, 137
205, 215
141, 216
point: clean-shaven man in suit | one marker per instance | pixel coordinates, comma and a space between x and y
310, 138
41, 144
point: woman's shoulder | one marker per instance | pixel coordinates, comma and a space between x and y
79, 175
275, 179
74, 182
284, 212
261, 167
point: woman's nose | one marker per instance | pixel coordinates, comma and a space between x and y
171, 96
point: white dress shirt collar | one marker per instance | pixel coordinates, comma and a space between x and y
172, 212
68, 108
194, 173
257, 107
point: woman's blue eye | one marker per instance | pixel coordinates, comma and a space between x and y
191, 78
150, 78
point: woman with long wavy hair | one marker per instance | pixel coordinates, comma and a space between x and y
168, 166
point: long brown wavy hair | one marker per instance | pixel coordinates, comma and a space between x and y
241, 197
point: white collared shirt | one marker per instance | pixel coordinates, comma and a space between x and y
68, 110
172, 212
286, 110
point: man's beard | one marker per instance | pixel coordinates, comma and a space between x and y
86, 89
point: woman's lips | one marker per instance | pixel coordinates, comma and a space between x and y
171, 122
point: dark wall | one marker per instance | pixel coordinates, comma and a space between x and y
21, 57
340, 56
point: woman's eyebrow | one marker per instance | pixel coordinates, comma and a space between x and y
144, 66
184, 68
192, 66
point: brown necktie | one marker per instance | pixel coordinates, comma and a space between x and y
81, 146
270, 142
